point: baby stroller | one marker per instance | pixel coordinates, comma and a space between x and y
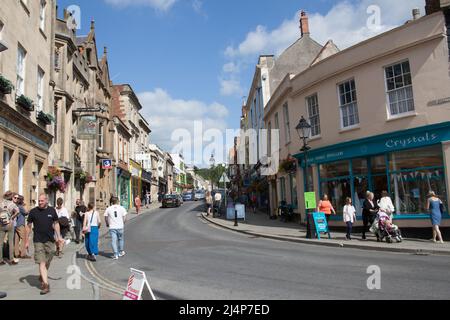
383, 228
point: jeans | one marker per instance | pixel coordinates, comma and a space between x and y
78, 227
9, 235
117, 236
349, 229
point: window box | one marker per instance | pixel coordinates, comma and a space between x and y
6, 86
25, 103
45, 118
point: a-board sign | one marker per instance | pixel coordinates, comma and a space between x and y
320, 222
310, 200
138, 287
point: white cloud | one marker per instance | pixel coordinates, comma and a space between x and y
162, 5
166, 114
230, 87
231, 68
197, 5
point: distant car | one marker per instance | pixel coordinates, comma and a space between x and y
199, 195
172, 201
188, 196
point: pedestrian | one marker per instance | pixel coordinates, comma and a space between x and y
209, 203
385, 204
138, 204
369, 213
254, 202
349, 217
80, 210
326, 207
436, 208
20, 234
8, 213
115, 217
147, 199
46, 231
64, 223
91, 225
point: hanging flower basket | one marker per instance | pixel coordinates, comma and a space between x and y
83, 176
55, 180
6, 86
288, 165
45, 118
25, 102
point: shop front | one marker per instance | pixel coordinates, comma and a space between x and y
136, 183
123, 186
407, 164
146, 178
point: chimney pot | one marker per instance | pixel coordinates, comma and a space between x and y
304, 23
416, 13
92, 24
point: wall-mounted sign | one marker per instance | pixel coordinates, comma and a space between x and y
87, 128
107, 164
143, 157
438, 102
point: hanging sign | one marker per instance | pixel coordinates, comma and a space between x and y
87, 128
138, 287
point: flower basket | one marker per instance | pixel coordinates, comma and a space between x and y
55, 181
25, 103
45, 118
288, 165
83, 176
6, 86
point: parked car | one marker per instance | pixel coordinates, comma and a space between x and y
172, 201
188, 196
200, 195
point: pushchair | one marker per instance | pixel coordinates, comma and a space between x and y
383, 228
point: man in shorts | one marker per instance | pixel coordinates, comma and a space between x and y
46, 231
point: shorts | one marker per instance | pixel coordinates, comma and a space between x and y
208, 205
44, 252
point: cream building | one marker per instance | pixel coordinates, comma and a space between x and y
380, 116
26, 111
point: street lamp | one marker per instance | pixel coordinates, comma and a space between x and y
212, 163
304, 130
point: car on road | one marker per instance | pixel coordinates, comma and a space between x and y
172, 201
188, 196
200, 195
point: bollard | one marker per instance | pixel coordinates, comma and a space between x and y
235, 218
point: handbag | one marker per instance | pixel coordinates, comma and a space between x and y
442, 208
88, 228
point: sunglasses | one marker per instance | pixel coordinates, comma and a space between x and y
15, 197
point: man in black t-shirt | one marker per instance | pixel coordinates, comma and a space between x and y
46, 231
80, 210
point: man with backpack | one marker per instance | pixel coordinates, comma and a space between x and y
8, 213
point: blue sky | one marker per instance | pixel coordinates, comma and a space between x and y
194, 60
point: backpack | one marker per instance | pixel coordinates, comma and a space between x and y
5, 216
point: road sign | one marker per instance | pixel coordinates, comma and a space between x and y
224, 179
310, 200
107, 164
138, 287
143, 157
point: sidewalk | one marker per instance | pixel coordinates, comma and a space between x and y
260, 225
21, 282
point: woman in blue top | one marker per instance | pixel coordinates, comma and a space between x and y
434, 206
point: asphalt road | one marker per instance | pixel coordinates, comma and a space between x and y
186, 258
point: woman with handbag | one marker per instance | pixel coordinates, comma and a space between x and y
91, 224
64, 224
436, 208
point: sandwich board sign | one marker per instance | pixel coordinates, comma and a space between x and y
320, 221
138, 287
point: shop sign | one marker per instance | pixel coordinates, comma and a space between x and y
22, 133
310, 200
135, 172
87, 128
146, 175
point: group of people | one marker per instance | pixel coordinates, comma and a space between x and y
50, 225
383, 210
213, 203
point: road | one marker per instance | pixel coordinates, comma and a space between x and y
186, 258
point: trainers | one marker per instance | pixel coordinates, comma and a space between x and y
122, 254
45, 289
115, 258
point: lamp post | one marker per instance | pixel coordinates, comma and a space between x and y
212, 163
304, 130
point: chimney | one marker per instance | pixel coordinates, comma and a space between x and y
92, 24
304, 24
416, 13
65, 14
432, 6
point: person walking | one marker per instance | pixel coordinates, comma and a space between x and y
326, 207
80, 210
254, 202
349, 217
138, 204
370, 210
115, 217
209, 203
20, 233
64, 223
217, 202
91, 225
148, 199
8, 213
436, 208
385, 204
46, 231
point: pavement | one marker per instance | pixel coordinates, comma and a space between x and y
21, 282
259, 225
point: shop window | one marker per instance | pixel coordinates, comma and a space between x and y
399, 88
337, 190
334, 170
348, 104
313, 112
361, 186
416, 158
378, 165
360, 167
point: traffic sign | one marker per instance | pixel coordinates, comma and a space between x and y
107, 164
224, 179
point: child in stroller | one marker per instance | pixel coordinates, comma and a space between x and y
384, 228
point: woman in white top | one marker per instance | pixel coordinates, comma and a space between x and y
64, 224
349, 217
386, 205
91, 224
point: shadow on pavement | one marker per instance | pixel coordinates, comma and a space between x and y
33, 281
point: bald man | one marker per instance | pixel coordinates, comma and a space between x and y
46, 232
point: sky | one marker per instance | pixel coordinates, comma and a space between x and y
191, 62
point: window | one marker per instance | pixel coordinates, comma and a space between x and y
277, 123
348, 104
100, 136
40, 86
399, 88
6, 159
120, 150
293, 187
283, 189
21, 164
286, 122
55, 133
42, 15
20, 84
57, 59
313, 113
